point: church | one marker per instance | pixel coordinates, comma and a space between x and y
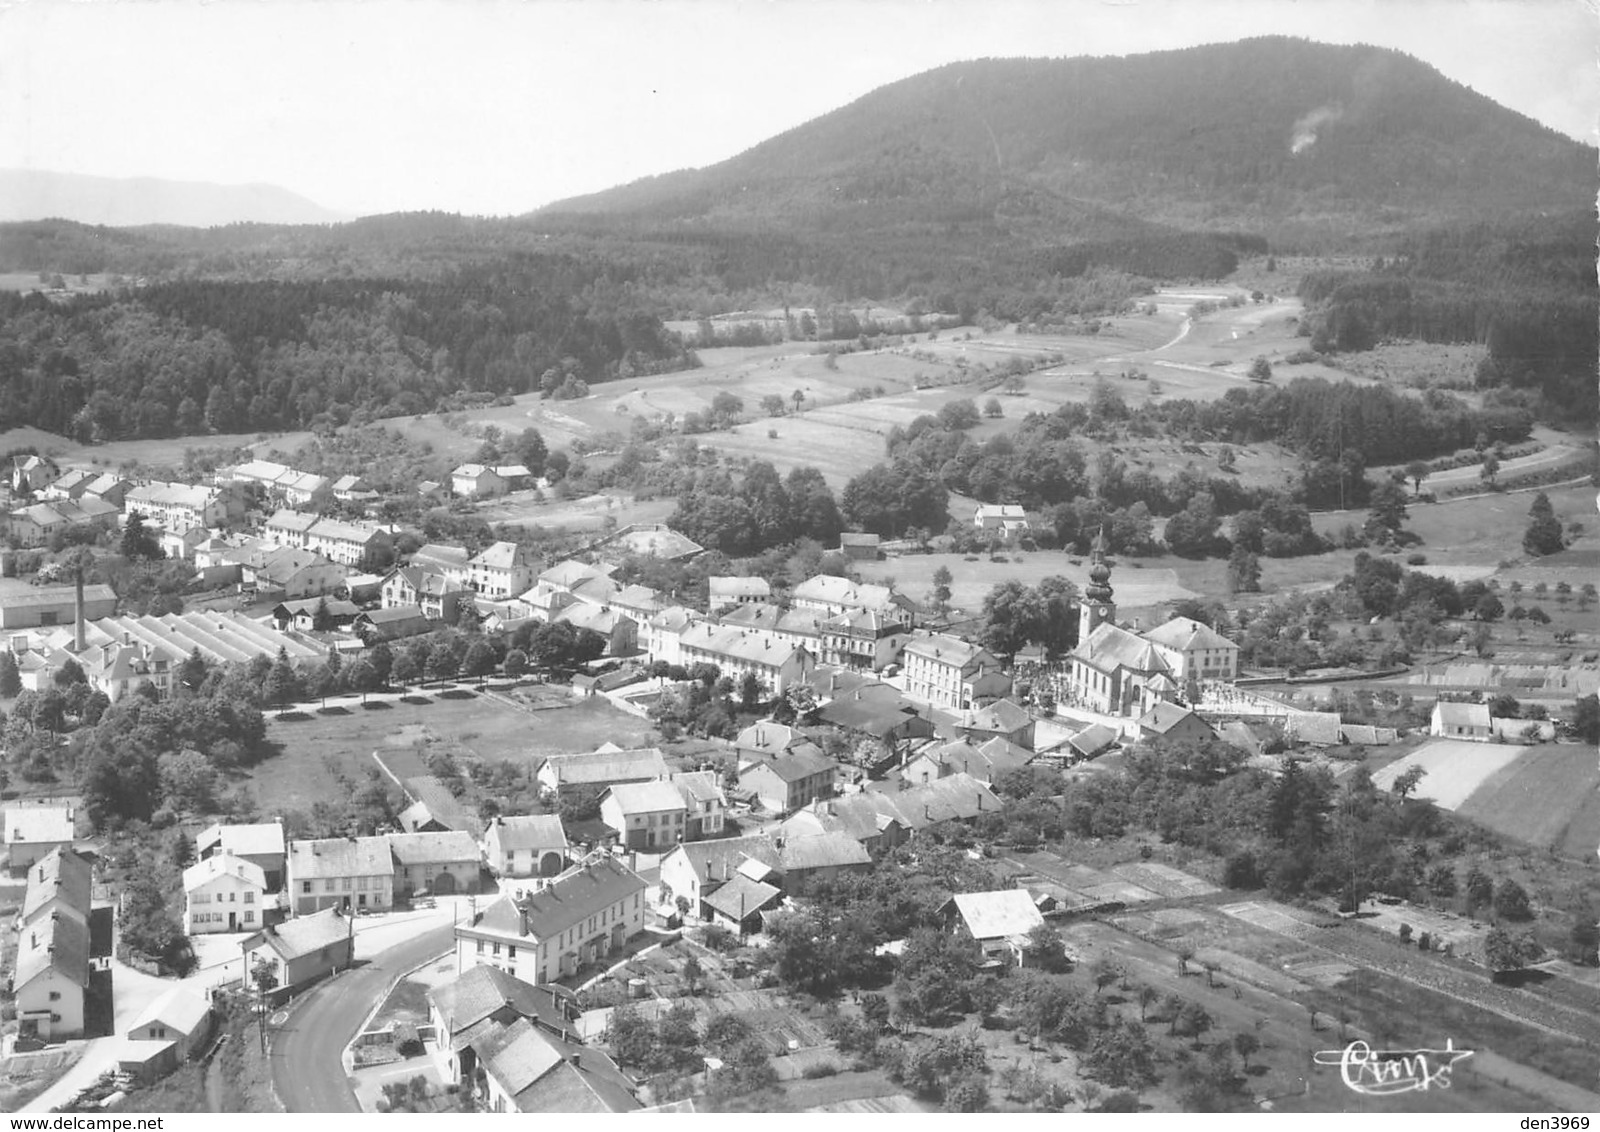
1115, 671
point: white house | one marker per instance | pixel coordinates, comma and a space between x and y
1007, 518
223, 893
1461, 721
999, 921
526, 846
647, 815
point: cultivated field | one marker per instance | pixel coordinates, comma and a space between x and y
1455, 768
587, 515
1540, 798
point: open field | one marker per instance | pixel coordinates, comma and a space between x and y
586, 515
166, 452
1455, 768
310, 751
913, 574
1539, 797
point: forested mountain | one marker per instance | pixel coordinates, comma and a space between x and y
1282, 137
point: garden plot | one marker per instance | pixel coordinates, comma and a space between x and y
1164, 879
1322, 974
1455, 768
1273, 919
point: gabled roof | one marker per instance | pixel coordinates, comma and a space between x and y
1185, 633
674, 619
59, 942
794, 764
1092, 739
821, 851
720, 859
1322, 728
733, 586
440, 554
531, 831
741, 896
1002, 716
482, 991
1455, 714
179, 1009
696, 786
944, 649
223, 864
998, 915
570, 900
957, 797
1000, 511
302, 935
500, 556
337, 607
56, 595
452, 845
1111, 646
767, 736
601, 768
60, 875
651, 797
286, 519
252, 839
758, 615
1164, 716
340, 857
36, 824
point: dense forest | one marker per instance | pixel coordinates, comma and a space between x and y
187, 356
1526, 289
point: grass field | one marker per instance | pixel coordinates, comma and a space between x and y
166, 452
1540, 798
1455, 769
313, 750
913, 575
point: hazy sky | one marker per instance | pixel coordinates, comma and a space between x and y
499, 106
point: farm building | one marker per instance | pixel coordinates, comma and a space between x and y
1461, 721
303, 950
998, 921
55, 605
1173, 722
440, 863
534, 845
260, 843
170, 1031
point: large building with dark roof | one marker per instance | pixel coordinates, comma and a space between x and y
573, 923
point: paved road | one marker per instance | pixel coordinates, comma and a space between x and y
308, 1049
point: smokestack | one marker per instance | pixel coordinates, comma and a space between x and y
80, 636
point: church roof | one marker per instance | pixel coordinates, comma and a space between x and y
1111, 646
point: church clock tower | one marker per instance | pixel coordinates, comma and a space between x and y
1096, 608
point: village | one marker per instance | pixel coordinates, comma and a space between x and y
549, 955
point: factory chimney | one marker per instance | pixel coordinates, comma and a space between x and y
80, 635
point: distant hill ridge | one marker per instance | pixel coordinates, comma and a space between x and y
29, 194
1263, 135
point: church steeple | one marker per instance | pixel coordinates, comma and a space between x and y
1097, 606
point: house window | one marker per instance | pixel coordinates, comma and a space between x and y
55, 995
249, 898
305, 888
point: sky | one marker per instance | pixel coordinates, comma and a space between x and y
497, 107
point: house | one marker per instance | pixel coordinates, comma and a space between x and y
33, 830
434, 809
1006, 518
166, 1034
301, 615
32, 473
359, 545
223, 893
340, 872
302, 950
440, 863
394, 624
438, 595
501, 571
948, 672
999, 921
293, 573
528, 846
50, 979
260, 843
738, 904
442, 558
38, 524
693, 869
859, 547
1092, 740
1453, 720
1195, 651
607, 766
663, 634
862, 639
620, 632
1002, 719
108, 488
474, 481
291, 528
883, 716
569, 925
177, 507
831, 596
44, 606
180, 546
1173, 722
705, 807
787, 781
69, 485
958, 797
819, 856
776, 664
985, 762
353, 489
646, 815
869, 819
726, 591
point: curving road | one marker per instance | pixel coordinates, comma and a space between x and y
308, 1048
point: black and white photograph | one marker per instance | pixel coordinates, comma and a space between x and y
856, 558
